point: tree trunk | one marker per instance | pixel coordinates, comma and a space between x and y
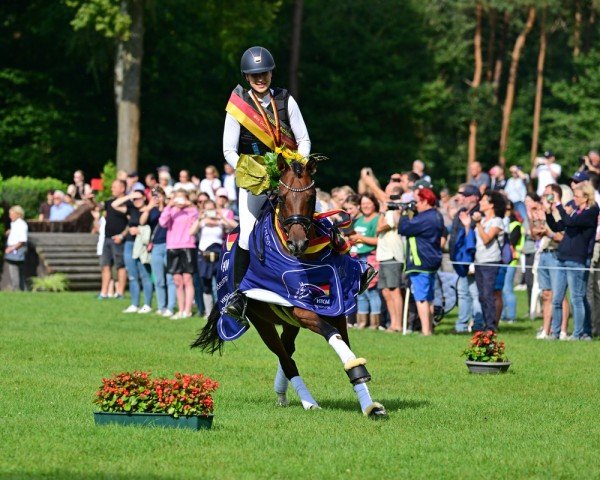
577, 30
500, 58
537, 109
295, 48
589, 28
512, 79
474, 85
128, 66
491, 45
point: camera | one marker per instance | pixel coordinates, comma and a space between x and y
394, 204
408, 206
210, 213
540, 161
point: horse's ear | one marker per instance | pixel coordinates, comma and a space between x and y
282, 163
311, 166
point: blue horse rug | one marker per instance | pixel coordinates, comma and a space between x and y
327, 285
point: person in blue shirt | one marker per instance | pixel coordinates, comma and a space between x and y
425, 236
60, 209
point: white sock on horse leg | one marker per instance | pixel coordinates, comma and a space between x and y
305, 397
341, 348
281, 382
364, 397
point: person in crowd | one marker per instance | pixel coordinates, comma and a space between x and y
114, 239
164, 181
516, 190
150, 182
407, 183
59, 209
488, 227
224, 210
132, 180
418, 167
210, 183
324, 202
425, 236
546, 171
574, 253
516, 236
447, 208
479, 178
340, 194
178, 218
212, 227
257, 65
579, 177
44, 210
497, 178
79, 190
163, 281
228, 181
364, 242
185, 182
16, 247
390, 255
133, 205
122, 175
469, 308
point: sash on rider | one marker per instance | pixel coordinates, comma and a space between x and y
245, 113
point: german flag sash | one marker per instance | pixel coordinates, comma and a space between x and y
247, 115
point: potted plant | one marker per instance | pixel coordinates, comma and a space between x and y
485, 354
137, 399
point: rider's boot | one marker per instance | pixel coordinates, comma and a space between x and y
365, 278
236, 308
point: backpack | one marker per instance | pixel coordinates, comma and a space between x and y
506, 251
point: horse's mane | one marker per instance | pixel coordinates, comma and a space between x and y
298, 168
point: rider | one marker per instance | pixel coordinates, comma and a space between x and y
257, 65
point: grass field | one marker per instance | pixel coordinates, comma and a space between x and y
539, 420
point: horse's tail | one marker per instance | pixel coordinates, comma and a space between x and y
208, 340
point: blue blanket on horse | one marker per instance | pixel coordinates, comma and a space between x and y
327, 285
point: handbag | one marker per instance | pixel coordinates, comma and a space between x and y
17, 255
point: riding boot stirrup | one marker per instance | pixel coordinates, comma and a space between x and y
236, 308
366, 277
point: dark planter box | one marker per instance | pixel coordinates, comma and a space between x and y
197, 422
487, 367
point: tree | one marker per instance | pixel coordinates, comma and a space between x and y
537, 109
295, 48
475, 84
512, 78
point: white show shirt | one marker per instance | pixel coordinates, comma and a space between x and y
18, 232
231, 132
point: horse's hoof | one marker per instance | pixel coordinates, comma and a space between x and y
314, 407
376, 411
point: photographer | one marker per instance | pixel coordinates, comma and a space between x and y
426, 235
390, 255
546, 171
516, 191
590, 162
574, 253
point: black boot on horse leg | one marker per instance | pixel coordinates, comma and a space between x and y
236, 307
366, 277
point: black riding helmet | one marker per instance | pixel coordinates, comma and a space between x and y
257, 60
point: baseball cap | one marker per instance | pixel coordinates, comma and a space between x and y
222, 192
133, 174
548, 153
421, 184
138, 187
580, 177
469, 190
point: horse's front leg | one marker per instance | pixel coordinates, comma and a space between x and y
280, 385
334, 332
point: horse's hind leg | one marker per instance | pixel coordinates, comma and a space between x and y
280, 385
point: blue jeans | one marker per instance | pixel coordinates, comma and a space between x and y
509, 298
369, 302
468, 304
137, 271
485, 276
576, 280
166, 295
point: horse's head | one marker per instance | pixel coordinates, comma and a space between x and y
297, 200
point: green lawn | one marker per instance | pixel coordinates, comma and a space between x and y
539, 420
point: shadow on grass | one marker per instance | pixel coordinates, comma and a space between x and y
520, 327
391, 404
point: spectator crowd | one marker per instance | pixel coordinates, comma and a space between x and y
498, 232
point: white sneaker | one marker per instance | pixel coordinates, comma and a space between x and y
542, 335
563, 336
181, 316
131, 309
145, 309
167, 313
159, 312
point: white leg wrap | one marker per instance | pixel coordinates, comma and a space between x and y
306, 398
281, 382
364, 397
341, 349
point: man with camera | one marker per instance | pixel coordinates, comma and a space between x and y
425, 234
546, 170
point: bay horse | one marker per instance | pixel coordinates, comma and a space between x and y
296, 207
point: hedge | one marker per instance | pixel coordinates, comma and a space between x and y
28, 192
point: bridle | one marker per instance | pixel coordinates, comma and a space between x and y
302, 220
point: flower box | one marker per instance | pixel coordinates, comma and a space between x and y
195, 422
487, 367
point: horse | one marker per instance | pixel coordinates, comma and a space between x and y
296, 201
